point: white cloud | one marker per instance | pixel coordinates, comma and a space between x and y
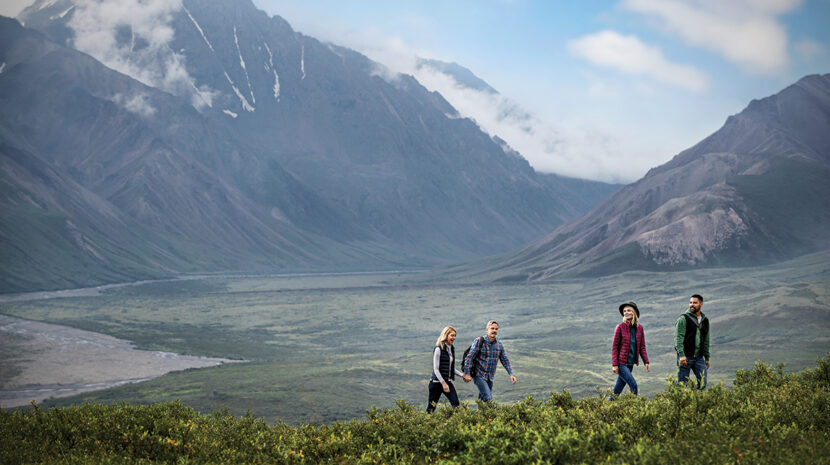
137, 104
631, 56
101, 26
566, 148
570, 148
582, 147
745, 32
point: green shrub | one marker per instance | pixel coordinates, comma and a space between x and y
767, 417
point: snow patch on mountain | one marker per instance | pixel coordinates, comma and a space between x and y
62, 14
245, 105
199, 28
270, 66
242, 64
302, 62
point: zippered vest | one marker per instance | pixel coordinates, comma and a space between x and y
447, 371
689, 337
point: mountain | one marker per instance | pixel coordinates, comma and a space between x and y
460, 74
753, 192
222, 140
96, 192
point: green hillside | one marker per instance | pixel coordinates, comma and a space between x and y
766, 417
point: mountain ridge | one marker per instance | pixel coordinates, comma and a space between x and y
334, 167
709, 205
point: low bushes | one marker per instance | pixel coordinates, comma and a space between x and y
767, 417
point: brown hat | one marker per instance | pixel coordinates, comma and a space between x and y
632, 305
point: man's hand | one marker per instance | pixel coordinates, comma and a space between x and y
616, 370
648, 368
707, 364
683, 361
513, 378
467, 378
445, 386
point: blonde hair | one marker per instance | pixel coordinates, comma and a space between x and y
635, 320
445, 333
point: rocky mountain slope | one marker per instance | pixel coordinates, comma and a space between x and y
753, 192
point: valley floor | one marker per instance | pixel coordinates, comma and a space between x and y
42, 360
323, 348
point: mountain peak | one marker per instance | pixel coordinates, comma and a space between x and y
462, 75
755, 191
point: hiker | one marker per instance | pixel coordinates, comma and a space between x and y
628, 345
481, 360
691, 341
443, 369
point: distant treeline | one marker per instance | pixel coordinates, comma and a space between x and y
768, 416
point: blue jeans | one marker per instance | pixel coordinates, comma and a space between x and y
695, 364
624, 378
485, 388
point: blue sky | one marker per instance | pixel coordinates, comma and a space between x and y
616, 87
595, 89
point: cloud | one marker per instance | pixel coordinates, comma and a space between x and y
137, 104
631, 56
132, 37
578, 149
564, 148
745, 32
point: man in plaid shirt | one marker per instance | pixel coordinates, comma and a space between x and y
485, 352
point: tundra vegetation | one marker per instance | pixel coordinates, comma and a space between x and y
767, 416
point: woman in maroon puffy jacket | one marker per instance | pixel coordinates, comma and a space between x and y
628, 346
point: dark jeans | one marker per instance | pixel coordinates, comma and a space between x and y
625, 377
696, 365
435, 391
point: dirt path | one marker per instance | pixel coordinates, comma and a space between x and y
42, 360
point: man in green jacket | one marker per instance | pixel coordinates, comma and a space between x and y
691, 341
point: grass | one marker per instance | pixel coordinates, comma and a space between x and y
324, 348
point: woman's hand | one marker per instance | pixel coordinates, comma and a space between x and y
616, 370
445, 386
648, 368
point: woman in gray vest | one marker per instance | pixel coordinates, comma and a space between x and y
443, 369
